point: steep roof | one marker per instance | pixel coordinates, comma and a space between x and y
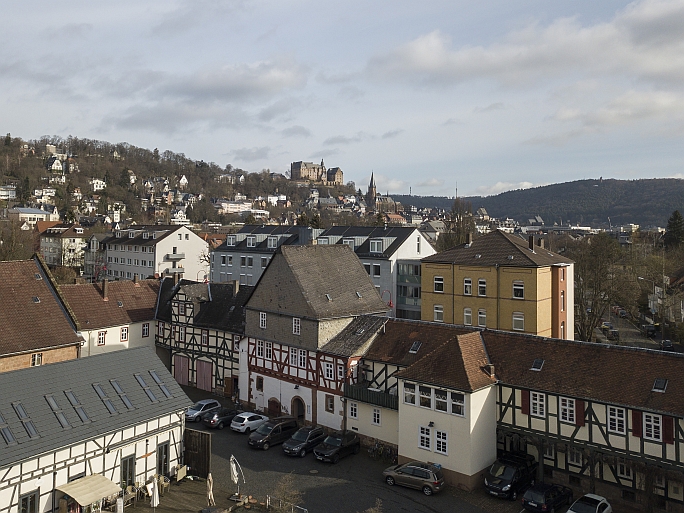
127, 303
79, 376
456, 363
31, 316
355, 337
394, 235
319, 282
497, 248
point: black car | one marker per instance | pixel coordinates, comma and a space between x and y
303, 441
511, 475
338, 445
666, 345
220, 418
272, 432
546, 497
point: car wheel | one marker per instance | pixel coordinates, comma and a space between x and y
198, 419
389, 480
336, 458
220, 425
427, 490
514, 496
302, 453
266, 446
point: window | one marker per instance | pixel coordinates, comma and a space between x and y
518, 290
353, 411
574, 456
163, 456
103, 397
243, 261
481, 287
623, 469
329, 403
302, 358
36, 359
124, 334
260, 348
250, 261
562, 301
562, 274
180, 333
146, 388
438, 313
121, 394
616, 420
205, 337
518, 321
440, 400
418, 244
367, 267
340, 372
293, 356
424, 438
538, 404
269, 350
160, 329
376, 246
260, 383
251, 241
180, 236
181, 308
376, 270
567, 410
458, 404
78, 407
549, 452
409, 393
562, 330
101, 336
264, 262
262, 320
296, 326
652, 427
376, 416
467, 317
30, 502
272, 242
482, 318
28, 424
7, 432
467, 287
223, 259
441, 442
439, 284
425, 397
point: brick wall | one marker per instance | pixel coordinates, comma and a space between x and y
22, 361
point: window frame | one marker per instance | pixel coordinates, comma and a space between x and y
410, 392
467, 316
205, 337
302, 358
329, 403
519, 320
296, 326
655, 425
353, 410
376, 245
268, 350
482, 318
467, 286
262, 320
101, 338
36, 359
376, 419
455, 403
482, 287
425, 438
441, 442
438, 284
619, 417
566, 410
518, 289
538, 404
328, 370
124, 334
376, 270
422, 396
438, 313
260, 348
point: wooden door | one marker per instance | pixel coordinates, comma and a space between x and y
204, 375
180, 369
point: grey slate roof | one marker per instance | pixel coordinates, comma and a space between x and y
395, 235
29, 386
355, 337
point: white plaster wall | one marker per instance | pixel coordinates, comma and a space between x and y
387, 431
482, 415
113, 339
325, 418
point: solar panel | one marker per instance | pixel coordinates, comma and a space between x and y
416, 345
537, 364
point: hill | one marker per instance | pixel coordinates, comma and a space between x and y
646, 202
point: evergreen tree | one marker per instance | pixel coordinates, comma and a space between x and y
674, 233
8, 140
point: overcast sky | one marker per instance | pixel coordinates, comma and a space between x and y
487, 96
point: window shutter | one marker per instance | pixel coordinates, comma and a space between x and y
668, 430
579, 412
636, 423
525, 402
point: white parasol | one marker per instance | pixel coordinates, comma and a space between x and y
210, 491
154, 502
234, 466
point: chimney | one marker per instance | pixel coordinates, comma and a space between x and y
540, 243
176, 278
531, 242
135, 280
105, 289
469, 239
236, 287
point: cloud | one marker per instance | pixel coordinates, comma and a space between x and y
452, 121
69, 31
489, 108
324, 153
392, 133
343, 139
385, 184
296, 131
279, 108
432, 182
251, 154
190, 14
500, 187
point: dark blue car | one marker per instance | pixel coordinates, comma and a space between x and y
546, 497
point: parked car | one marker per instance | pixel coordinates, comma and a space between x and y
195, 412
546, 497
648, 329
666, 345
220, 418
511, 475
273, 432
338, 445
623, 314
613, 335
246, 422
416, 474
303, 441
590, 503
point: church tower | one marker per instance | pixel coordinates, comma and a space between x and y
372, 192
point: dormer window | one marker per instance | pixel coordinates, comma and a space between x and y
118, 235
131, 235
323, 240
349, 242
146, 235
251, 241
230, 240
376, 246
272, 242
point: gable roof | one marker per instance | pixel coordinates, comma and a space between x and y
496, 248
395, 236
319, 282
93, 312
79, 376
355, 337
32, 317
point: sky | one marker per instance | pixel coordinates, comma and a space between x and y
433, 97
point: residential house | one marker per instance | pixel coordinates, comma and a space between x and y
77, 431
96, 184
32, 215
95, 256
503, 282
8, 192
36, 329
64, 245
199, 328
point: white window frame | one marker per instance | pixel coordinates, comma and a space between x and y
574, 456
268, 350
519, 287
441, 404
36, 359
538, 404
260, 348
421, 395
518, 321
653, 427
482, 287
618, 418
296, 326
262, 320
376, 246
353, 410
623, 470
124, 334
146, 329
438, 284
425, 438
272, 242
457, 404
410, 393
302, 358
293, 357
328, 370
251, 241
566, 409
101, 338
441, 442
562, 301
377, 417
467, 316
438, 312
482, 318
467, 287
376, 270
205, 337
340, 372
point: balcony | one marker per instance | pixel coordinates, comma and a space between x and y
174, 270
171, 257
364, 394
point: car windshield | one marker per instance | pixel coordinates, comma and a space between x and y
585, 505
502, 471
264, 429
197, 406
439, 475
334, 441
300, 435
534, 496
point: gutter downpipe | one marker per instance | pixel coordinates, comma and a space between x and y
498, 295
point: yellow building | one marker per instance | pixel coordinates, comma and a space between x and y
500, 281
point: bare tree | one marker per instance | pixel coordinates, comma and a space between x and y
288, 493
458, 225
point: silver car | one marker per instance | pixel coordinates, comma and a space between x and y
195, 412
246, 422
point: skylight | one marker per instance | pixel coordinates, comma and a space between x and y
416, 345
57, 411
328, 297
6, 432
103, 396
38, 277
78, 407
147, 390
161, 384
121, 393
36, 299
358, 294
30, 428
537, 364
660, 385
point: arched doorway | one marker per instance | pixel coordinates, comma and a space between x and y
298, 409
273, 407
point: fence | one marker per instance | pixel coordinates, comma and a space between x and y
363, 394
274, 502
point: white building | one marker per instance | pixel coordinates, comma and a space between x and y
96, 184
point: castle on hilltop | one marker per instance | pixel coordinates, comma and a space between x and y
308, 171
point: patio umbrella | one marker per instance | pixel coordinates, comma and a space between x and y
210, 491
155, 494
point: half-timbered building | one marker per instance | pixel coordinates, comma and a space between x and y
305, 298
113, 420
199, 328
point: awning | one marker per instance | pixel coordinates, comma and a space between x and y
89, 489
